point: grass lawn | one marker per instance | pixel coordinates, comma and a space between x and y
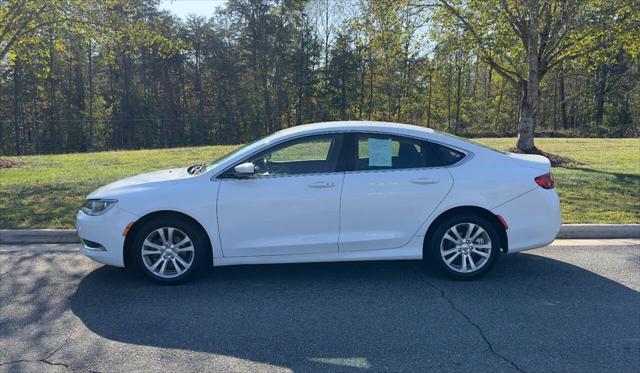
46, 191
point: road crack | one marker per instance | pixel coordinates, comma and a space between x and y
470, 321
45, 360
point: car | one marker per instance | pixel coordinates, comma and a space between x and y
328, 192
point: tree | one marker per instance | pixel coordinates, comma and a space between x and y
195, 35
21, 20
97, 75
342, 78
523, 40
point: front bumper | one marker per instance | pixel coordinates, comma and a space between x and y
106, 231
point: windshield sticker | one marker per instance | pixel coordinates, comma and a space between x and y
379, 152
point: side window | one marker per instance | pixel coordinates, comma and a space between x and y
381, 152
316, 150
441, 155
313, 154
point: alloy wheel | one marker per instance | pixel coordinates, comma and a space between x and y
465, 248
167, 252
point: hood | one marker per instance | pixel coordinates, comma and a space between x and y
531, 161
140, 182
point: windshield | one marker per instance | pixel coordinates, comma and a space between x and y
247, 148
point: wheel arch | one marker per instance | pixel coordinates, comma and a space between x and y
495, 221
155, 215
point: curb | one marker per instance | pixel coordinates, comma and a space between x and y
35, 236
599, 231
568, 231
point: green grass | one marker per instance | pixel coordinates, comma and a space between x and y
46, 191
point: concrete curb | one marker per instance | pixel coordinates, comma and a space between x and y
568, 231
35, 236
599, 231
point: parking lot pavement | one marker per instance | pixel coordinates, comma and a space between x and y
573, 306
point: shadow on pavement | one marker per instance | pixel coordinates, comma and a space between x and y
531, 313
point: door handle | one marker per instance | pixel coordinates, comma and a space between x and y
424, 180
322, 184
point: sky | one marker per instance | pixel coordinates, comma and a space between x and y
182, 8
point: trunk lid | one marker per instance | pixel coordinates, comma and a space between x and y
531, 161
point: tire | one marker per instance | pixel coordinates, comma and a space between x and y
457, 255
169, 250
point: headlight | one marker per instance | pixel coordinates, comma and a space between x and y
98, 206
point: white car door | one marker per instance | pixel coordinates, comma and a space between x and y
290, 206
391, 191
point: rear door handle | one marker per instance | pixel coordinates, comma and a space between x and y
322, 184
424, 180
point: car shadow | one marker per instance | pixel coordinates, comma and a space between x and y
531, 313
620, 176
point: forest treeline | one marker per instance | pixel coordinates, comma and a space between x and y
82, 75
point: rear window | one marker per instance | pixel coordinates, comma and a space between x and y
444, 155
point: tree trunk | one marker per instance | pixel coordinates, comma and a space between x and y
499, 109
429, 98
449, 73
343, 97
487, 97
599, 94
530, 91
53, 137
2, 150
362, 75
327, 35
126, 139
526, 121
197, 86
266, 101
563, 103
90, 77
456, 127
37, 148
555, 107
17, 107
370, 108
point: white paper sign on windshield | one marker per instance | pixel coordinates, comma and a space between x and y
379, 152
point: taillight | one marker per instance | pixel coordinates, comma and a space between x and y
545, 181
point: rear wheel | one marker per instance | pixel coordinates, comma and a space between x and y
169, 251
464, 247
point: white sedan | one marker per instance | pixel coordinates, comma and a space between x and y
328, 192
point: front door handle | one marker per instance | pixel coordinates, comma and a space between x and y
322, 184
424, 180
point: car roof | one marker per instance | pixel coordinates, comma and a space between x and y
384, 127
356, 126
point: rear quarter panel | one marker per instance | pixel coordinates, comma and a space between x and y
490, 180
487, 180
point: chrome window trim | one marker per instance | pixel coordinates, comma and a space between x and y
468, 154
257, 177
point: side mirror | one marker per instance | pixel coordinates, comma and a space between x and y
244, 169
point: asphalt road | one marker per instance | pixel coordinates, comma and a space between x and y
574, 306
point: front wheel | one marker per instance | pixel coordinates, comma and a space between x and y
169, 251
464, 247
